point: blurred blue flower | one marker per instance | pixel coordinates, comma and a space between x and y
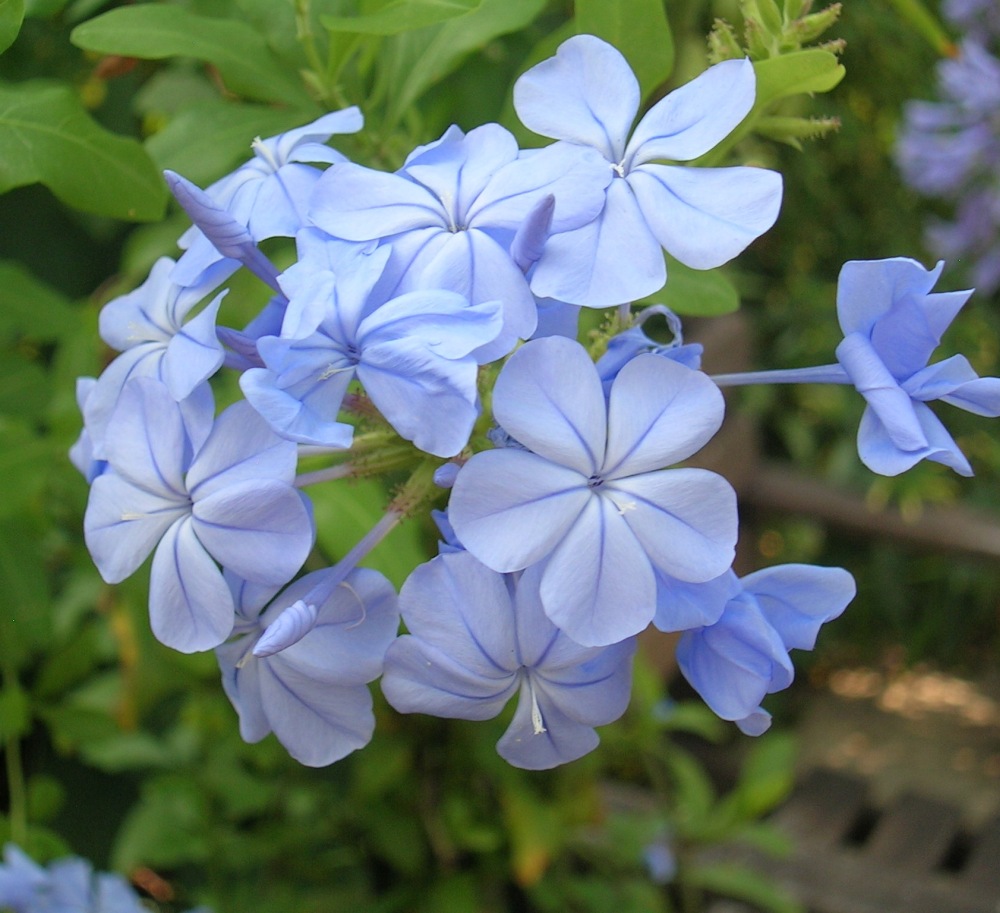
478, 638
311, 689
587, 96
742, 657
586, 490
197, 492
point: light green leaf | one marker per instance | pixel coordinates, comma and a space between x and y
639, 29
155, 31
744, 884
46, 137
812, 70
206, 140
697, 293
419, 59
15, 711
11, 17
401, 16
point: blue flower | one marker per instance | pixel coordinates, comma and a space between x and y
312, 692
269, 195
147, 325
453, 212
742, 657
478, 638
588, 96
197, 493
892, 323
586, 490
412, 354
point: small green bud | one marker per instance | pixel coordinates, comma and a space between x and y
792, 130
723, 43
809, 28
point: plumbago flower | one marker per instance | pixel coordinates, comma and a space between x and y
467, 213
306, 678
147, 325
478, 638
736, 661
586, 490
587, 96
197, 492
269, 195
411, 353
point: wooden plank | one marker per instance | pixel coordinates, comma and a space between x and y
824, 807
982, 870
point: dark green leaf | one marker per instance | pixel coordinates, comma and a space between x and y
15, 711
744, 884
47, 137
166, 828
24, 620
639, 29
156, 31
11, 17
401, 16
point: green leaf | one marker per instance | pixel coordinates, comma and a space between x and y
15, 711
11, 17
167, 827
744, 884
47, 137
639, 29
206, 140
813, 70
417, 60
401, 16
33, 309
155, 31
697, 293
24, 621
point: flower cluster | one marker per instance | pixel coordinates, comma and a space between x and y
65, 885
950, 149
428, 323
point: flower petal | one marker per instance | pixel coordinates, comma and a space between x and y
706, 216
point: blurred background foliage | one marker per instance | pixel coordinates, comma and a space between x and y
127, 753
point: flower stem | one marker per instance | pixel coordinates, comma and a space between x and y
821, 374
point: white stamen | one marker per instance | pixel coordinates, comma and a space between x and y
537, 723
333, 369
625, 506
364, 611
263, 152
618, 169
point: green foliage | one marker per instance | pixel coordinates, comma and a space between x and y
11, 16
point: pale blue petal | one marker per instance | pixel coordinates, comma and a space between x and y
586, 94
194, 354
240, 448
734, 663
258, 528
359, 204
354, 628
880, 453
681, 606
477, 267
598, 586
123, 523
559, 741
796, 599
421, 678
242, 687
575, 175
190, 605
549, 398
954, 381
594, 690
611, 260
757, 723
318, 723
457, 605
907, 334
685, 519
892, 405
706, 216
659, 413
306, 413
146, 440
696, 117
510, 508
866, 289
445, 322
